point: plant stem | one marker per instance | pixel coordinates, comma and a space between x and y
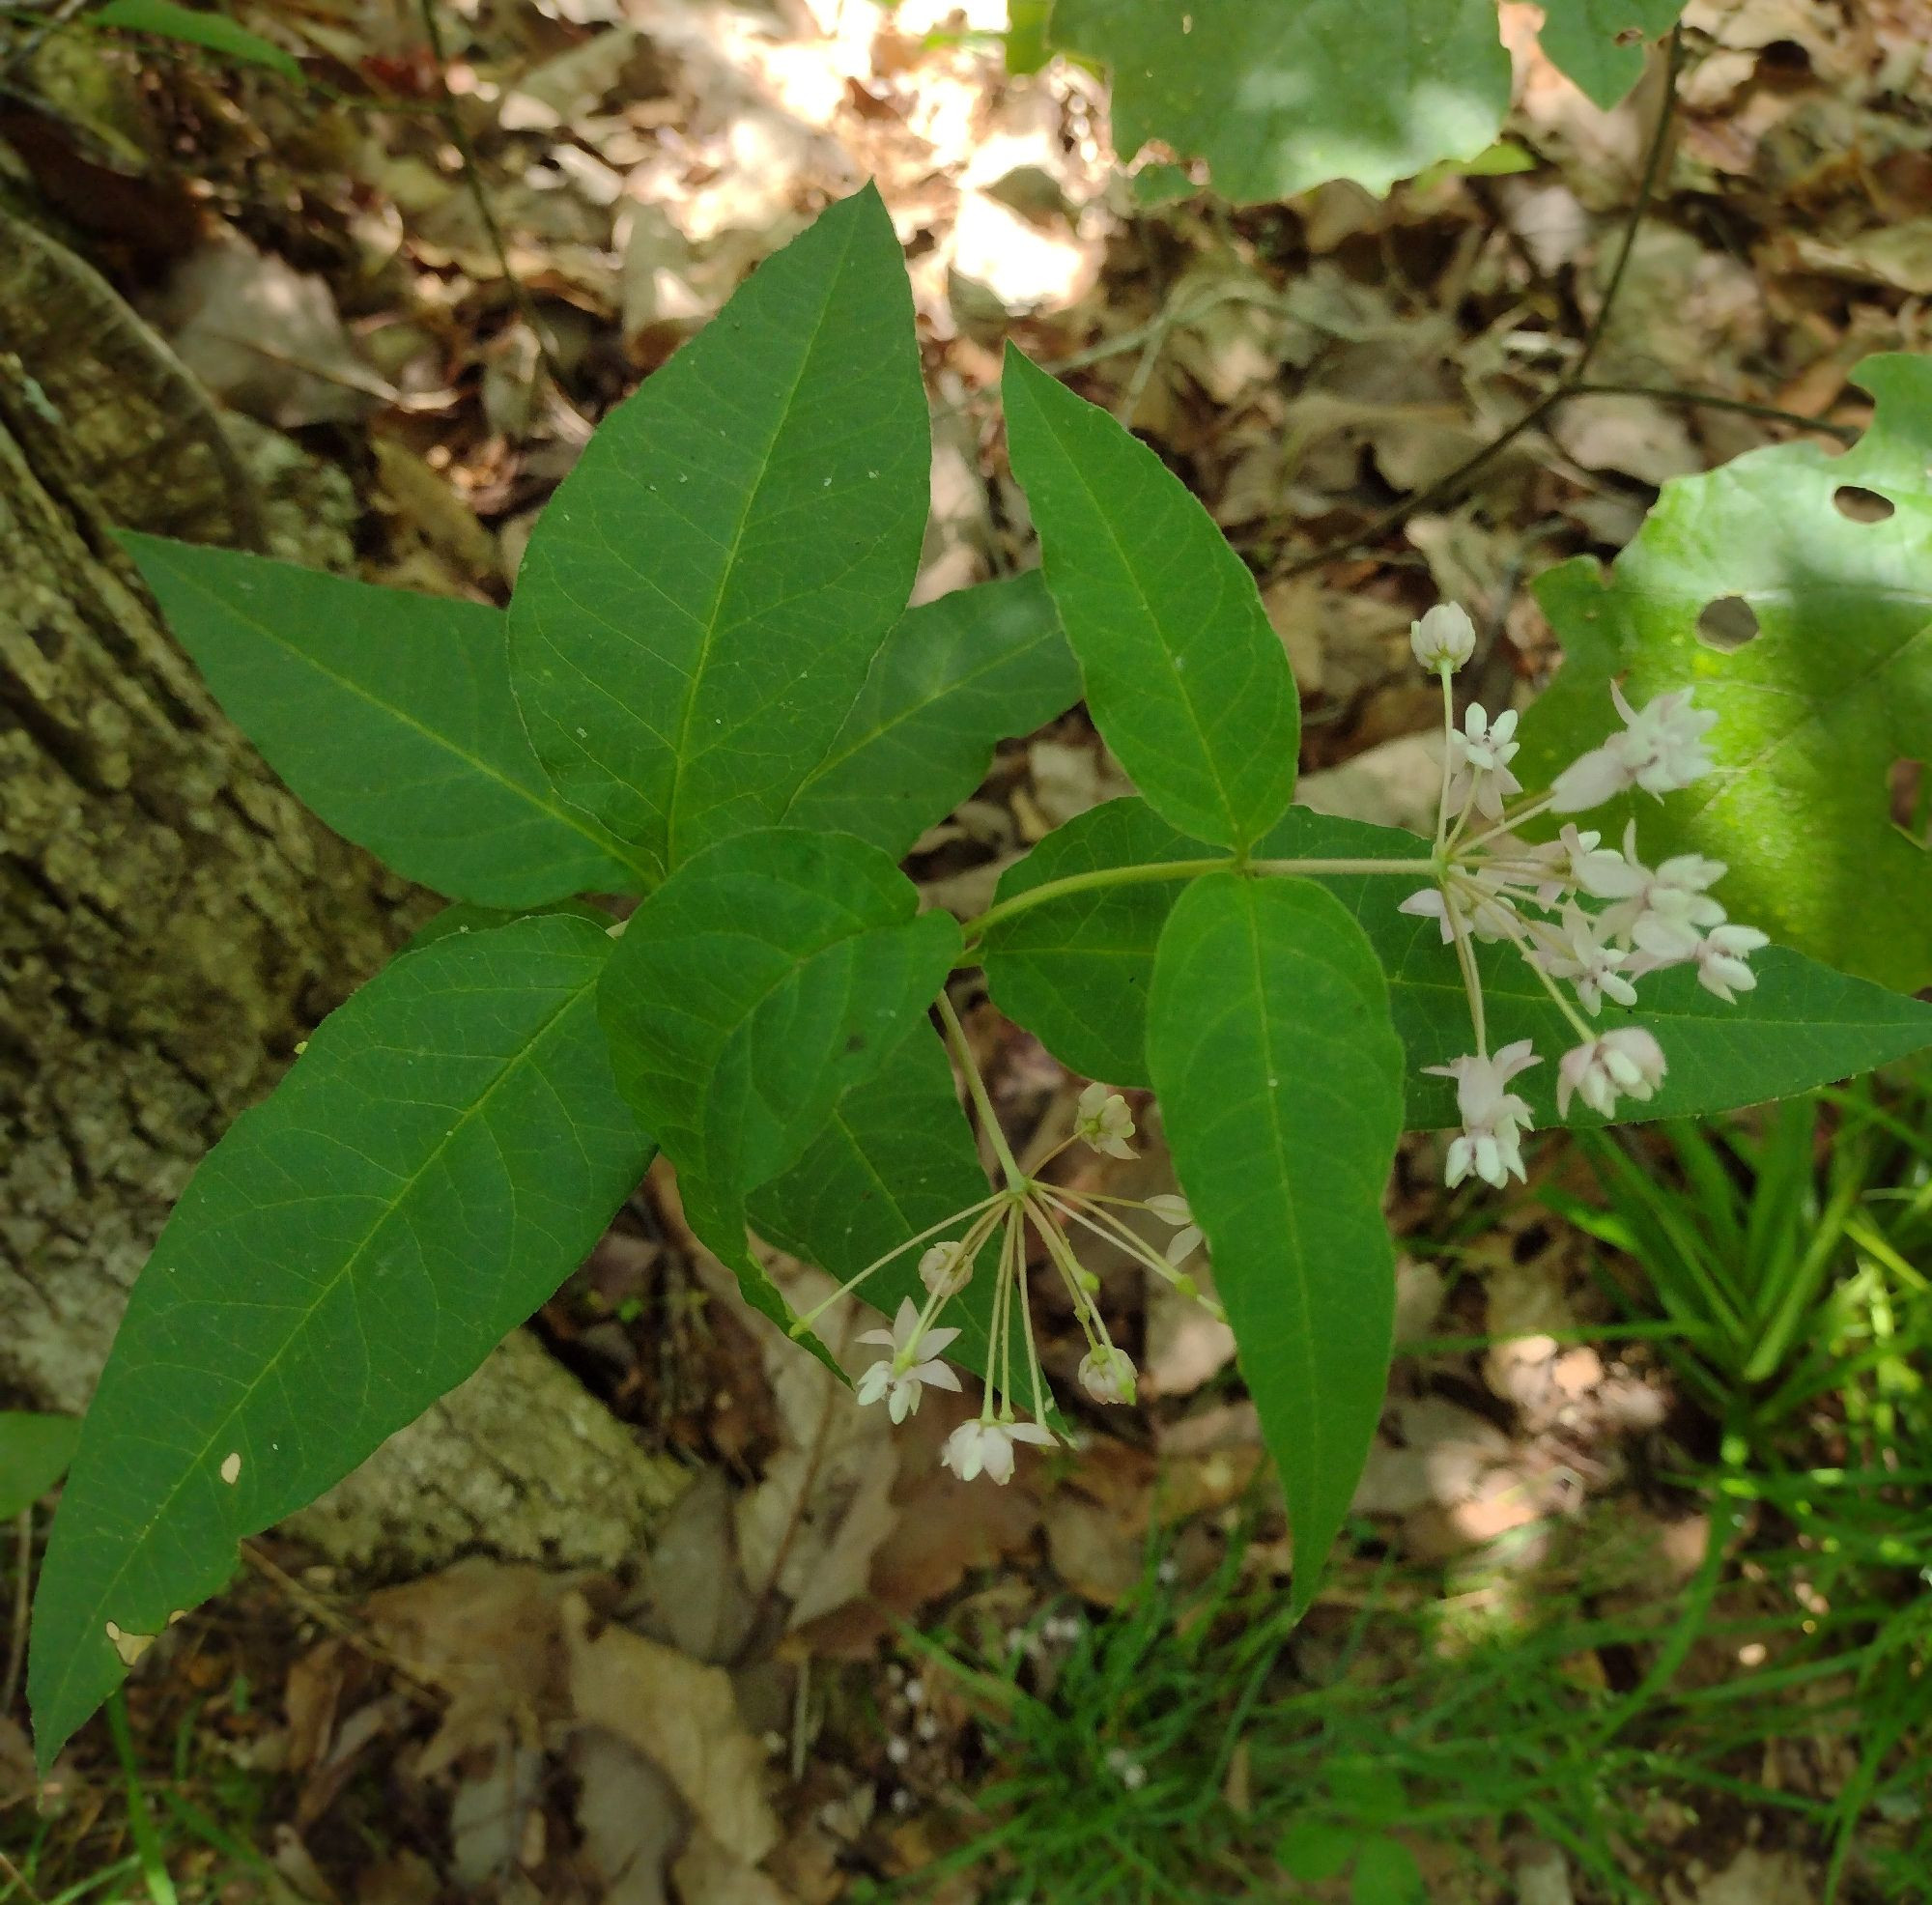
962, 1053
1319, 868
1448, 729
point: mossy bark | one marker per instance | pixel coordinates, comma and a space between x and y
172, 923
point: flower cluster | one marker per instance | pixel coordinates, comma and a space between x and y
1589, 920
995, 1231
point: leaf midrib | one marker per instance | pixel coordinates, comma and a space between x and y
512, 1065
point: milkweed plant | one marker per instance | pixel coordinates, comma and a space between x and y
709, 708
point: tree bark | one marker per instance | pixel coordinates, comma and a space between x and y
172, 923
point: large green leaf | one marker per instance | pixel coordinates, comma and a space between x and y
447, 1150
1280, 1083
1280, 95
954, 677
390, 715
1075, 971
896, 1158
1600, 44
35, 1451
1812, 711
703, 598
765, 978
1185, 678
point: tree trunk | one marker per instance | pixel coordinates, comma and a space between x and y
172, 923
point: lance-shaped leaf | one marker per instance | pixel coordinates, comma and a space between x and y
35, 1451
1282, 96
703, 596
1185, 678
1075, 972
954, 677
447, 1150
165, 20
1828, 560
390, 715
896, 1158
1280, 1084
765, 978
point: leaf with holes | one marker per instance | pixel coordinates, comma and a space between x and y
1280, 1084
1184, 676
1829, 559
390, 715
1600, 44
1076, 970
954, 677
897, 1159
447, 1150
703, 597
769, 976
1279, 99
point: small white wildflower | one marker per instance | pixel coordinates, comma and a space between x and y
1445, 638
1494, 1117
944, 1269
986, 1448
1575, 862
1576, 952
1107, 1375
1186, 1237
1720, 957
1480, 753
898, 1377
1627, 1062
1660, 750
1665, 911
1428, 904
1103, 1119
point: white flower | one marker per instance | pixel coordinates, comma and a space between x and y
1662, 912
944, 1269
898, 1377
1107, 1375
1494, 1117
1660, 750
1479, 755
1186, 1237
1481, 902
1720, 957
976, 1448
1627, 1060
1445, 638
1104, 1120
1575, 860
1428, 905
1575, 952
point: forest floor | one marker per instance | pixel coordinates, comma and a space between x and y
1584, 1644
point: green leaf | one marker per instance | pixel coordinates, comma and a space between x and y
216, 32
1600, 44
1185, 678
1311, 1850
896, 1158
35, 1451
390, 715
1075, 972
1386, 1874
1280, 1084
447, 1150
765, 978
1282, 98
954, 677
703, 599
1813, 712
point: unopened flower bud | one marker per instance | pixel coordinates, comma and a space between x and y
1444, 639
1107, 1375
944, 1269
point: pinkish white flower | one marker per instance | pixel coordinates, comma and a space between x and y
900, 1376
1186, 1237
1662, 912
1444, 639
1494, 1117
1720, 957
1480, 753
1107, 1375
1660, 750
1578, 952
986, 1448
1628, 1061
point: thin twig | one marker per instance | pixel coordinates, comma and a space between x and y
473, 173
16, 1643
1571, 383
1710, 400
